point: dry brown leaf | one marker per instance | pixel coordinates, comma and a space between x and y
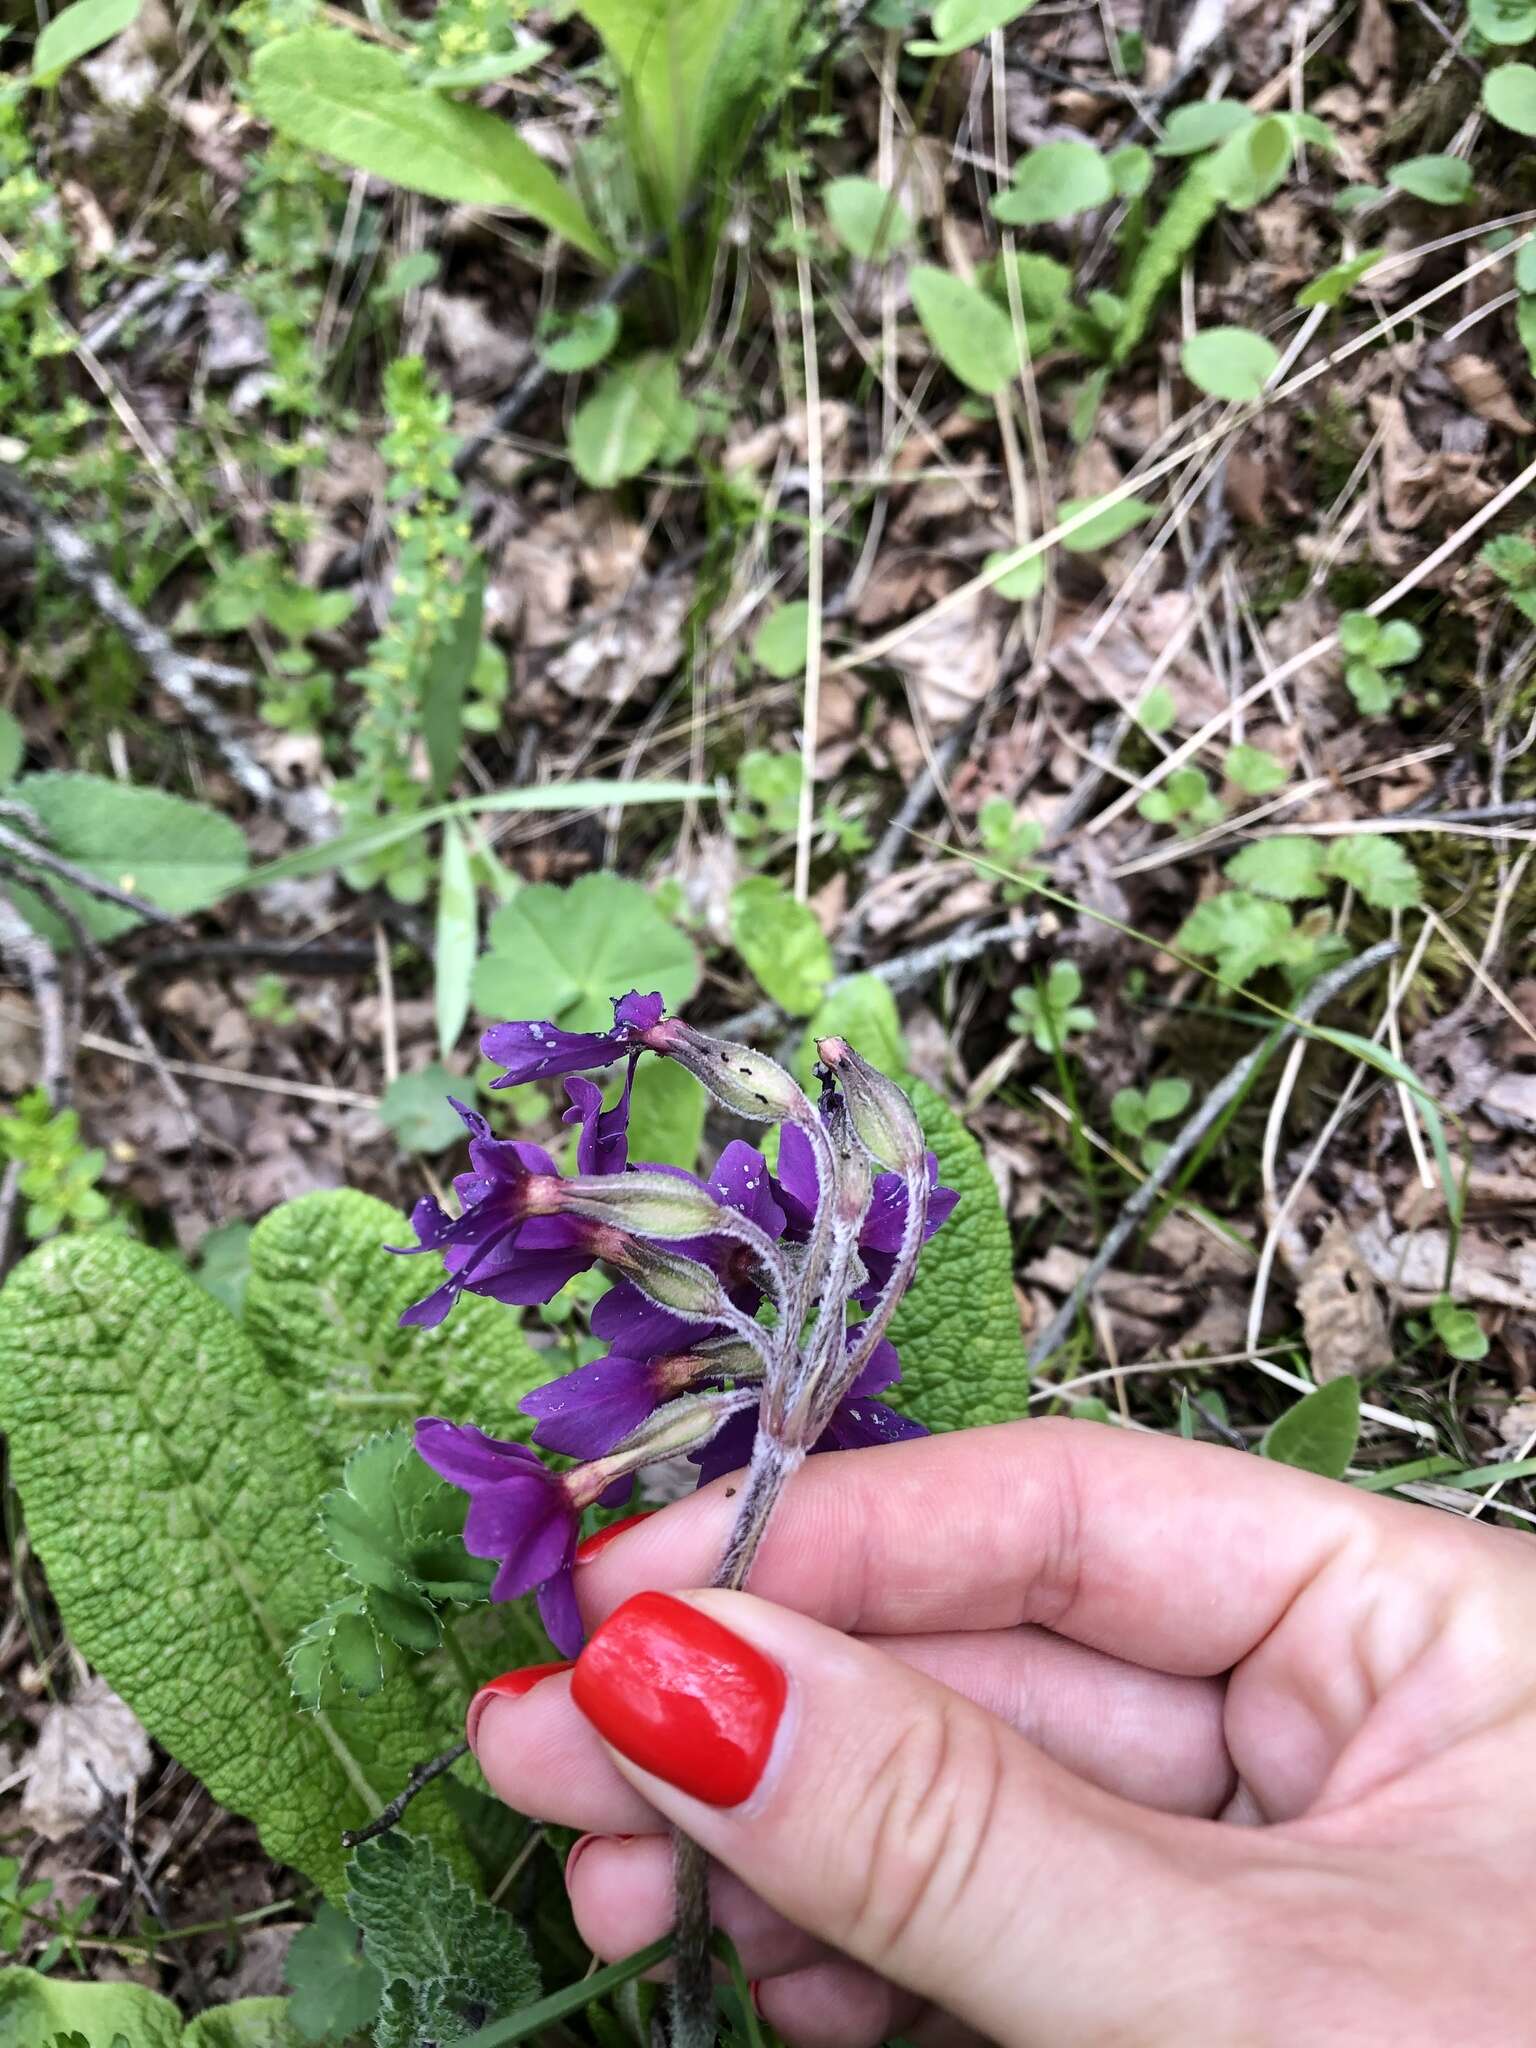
1413, 1264
89, 1749
1373, 52
1341, 1313
1485, 390
640, 642
952, 662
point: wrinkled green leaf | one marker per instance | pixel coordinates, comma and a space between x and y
1376, 867
1288, 867
336, 1990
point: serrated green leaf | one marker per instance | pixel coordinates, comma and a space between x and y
170, 1492
354, 101
323, 1305
395, 1526
971, 332
957, 1329
77, 30
180, 856
564, 953
33, 2008
1055, 182
1255, 772
335, 1989
1290, 869
1241, 932
1320, 1433
870, 222
449, 1961
781, 942
1377, 867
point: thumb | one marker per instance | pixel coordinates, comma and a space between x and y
902, 1824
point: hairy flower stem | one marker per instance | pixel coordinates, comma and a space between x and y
693, 1994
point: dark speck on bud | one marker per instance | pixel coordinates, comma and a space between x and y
883, 1120
741, 1080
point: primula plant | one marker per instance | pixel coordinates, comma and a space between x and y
746, 1323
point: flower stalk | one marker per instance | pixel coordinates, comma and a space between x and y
748, 1323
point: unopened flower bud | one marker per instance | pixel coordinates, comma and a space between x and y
678, 1426
686, 1286
649, 1204
741, 1080
885, 1121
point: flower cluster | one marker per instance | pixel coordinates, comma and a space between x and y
747, 1317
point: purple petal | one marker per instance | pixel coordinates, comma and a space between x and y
587, 1412
427, 1313
535, 1051
558, 1611
881, 1369
888, 1209
603, 1146
467, 1457
856, 1424
742, 1182
627, 1322
728, 1449
639, 1013
798, 1188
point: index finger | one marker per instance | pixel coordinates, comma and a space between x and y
1177, 1555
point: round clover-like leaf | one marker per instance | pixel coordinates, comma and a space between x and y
1509, 95
1503, 21
1201, 125
563, 953
1230, 362
1054, 182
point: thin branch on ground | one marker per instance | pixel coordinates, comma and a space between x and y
22, 853
389, 1816
81, 566
1205, 1118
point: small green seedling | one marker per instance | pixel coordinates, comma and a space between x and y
1010, 841
1134, 1111
1458, 1329
1050, 1013
1186, 801
1373, 647
58, 1174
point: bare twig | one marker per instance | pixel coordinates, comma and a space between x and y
81, 566
1220, 1099
21, 853
907, 970
389, 1816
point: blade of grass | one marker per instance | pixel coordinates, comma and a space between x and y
522, 2026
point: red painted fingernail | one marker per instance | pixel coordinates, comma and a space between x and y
681, 1697
601, 1538
510, 1686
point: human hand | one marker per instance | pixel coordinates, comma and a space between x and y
1032, 1676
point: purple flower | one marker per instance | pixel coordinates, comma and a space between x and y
537, 1051
639, 1328
520, 1513
585, 1413
493, 1247
880, 1235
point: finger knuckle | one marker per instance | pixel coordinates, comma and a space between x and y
925, 1816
